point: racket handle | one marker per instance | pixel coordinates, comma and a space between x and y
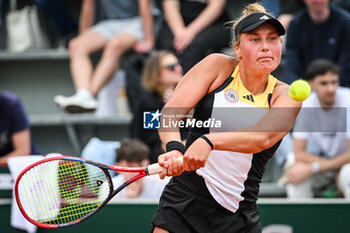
156, 168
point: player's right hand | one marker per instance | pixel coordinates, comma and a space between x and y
196, 155
172, 166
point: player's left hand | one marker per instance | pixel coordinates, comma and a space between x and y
143, 46
196, 155
172, 166
299, 172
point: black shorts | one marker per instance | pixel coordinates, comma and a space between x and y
186, 206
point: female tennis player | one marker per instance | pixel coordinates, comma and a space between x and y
216, 187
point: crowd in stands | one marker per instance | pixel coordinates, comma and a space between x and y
316, 48
135, 153
161, 73
325, 30
15, 136
321, 136
127, 25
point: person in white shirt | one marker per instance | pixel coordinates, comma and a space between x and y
134, 153
323, 121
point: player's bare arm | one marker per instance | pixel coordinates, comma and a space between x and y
269, 130
202, 79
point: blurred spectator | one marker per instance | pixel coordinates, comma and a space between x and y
322, 121
125, 25
134, 153
193, 28
345, 4
0, 13
161, 73
319, 31
64, 16
133, 82
287, 11
15, 138
272, 6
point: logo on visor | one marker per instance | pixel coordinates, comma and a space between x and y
264, 17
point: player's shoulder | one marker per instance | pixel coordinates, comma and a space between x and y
281, 92
280, 88
222, 58
220, 65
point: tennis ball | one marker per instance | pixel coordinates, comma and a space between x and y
299, 90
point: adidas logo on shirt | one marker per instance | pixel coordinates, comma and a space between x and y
249, 97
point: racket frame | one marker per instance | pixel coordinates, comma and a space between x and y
142, 172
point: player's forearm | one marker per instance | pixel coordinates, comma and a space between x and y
267, 132
87, 15
173, 16
145, 10
169, 136
208, 16
171, 117
244, 142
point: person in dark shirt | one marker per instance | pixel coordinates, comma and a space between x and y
319, 31
15, 136
193, 29
161, 73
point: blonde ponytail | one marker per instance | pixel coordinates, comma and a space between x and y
248, 10
253, 8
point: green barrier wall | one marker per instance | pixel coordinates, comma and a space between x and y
320, 216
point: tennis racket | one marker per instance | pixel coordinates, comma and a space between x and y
62, 191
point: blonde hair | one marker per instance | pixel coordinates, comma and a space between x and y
152, 71
248, 10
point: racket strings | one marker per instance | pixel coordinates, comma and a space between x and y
37, 193
61, 192
82, 200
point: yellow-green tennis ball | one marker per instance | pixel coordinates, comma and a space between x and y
299, 90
